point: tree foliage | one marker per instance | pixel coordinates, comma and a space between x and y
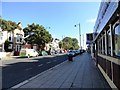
8, 25
69, 43
60, 44
6, 45
40, 36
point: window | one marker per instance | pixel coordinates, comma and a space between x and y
1, 38
104, 44
17, 40
1, 35
9, 38
101, 46
108, 43
20, 39
117, 40
17, 48
10, 46
98, 46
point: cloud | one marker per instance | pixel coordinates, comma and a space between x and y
91, 20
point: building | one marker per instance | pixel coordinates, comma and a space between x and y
106, 44
89, 39
3, 38
54, 45
15, 39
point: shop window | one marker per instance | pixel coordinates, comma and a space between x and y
108, 43
104, 44
98, 46
117, 40
101, 46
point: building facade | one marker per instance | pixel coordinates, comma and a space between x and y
15, 39
3, 38
106, 44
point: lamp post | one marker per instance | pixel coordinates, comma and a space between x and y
29, 34
79, 33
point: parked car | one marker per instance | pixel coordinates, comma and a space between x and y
71, 53
77, 52
2, 54
44, 53
28, 52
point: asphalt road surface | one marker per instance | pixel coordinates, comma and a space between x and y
23, 69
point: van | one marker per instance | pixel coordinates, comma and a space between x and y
2, 55
28, 52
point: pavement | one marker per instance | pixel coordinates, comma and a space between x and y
9, 57
81, 73
19, 57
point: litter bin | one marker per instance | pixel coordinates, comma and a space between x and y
70, 57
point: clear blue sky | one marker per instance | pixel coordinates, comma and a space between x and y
60, 16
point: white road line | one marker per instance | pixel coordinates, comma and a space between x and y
40, 65
28, 69
48, 62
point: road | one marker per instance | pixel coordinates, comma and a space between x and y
18, 70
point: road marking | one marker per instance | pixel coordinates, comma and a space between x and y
40, 65
28, 69
48, 62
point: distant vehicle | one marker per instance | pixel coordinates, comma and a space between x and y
82, 51
65, 51
44, 53
28, 52
71, 53
2, 54
77, 52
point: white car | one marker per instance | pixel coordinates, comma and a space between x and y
28, 52
71, 52
2, 54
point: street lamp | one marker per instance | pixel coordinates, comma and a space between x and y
79, 33
29, 34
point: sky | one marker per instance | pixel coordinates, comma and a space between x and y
59, 16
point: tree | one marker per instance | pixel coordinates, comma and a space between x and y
8, 25
40, 36
60, 44
67, 43
6, 45
75, 43
70, 43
